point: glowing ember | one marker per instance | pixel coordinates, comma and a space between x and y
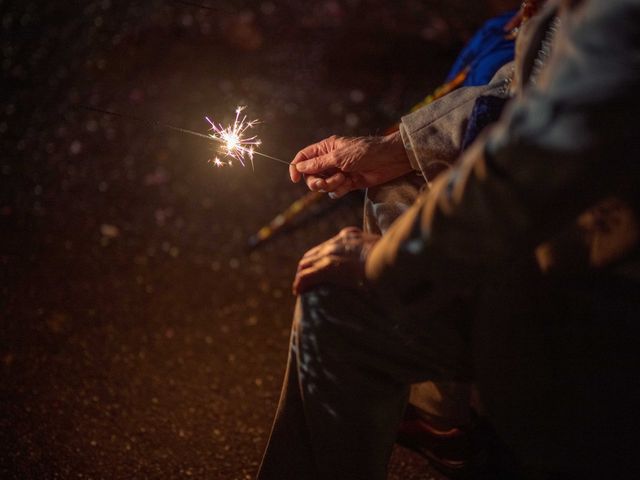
234, 142
218, 163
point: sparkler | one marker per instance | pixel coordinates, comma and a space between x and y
235, 143
200, 5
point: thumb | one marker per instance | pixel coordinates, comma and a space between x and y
318, 164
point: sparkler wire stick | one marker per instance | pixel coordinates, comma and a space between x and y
199, 5
186, 131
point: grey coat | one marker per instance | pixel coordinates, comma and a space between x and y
536, 225
565, 150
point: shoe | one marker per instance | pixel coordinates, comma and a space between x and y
475, 452
449, 451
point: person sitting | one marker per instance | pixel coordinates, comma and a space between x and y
474, 282
439, 423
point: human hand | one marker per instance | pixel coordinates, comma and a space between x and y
341, 164
339, 261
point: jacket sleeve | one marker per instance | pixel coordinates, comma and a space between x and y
433, 134
569, 141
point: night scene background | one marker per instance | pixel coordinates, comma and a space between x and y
140, 337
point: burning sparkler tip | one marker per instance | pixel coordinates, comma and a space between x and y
234, 142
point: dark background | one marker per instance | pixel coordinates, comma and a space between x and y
139, 336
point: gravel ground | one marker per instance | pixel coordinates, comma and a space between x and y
140, 338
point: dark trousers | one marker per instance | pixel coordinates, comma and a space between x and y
346, 386
556, 360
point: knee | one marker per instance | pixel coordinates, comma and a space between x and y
311, 308
331, 315
320, 314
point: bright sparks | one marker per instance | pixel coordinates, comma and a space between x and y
235, 144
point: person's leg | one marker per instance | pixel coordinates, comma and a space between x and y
289, 453
338, 419
444, 405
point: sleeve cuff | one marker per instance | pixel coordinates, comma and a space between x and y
408, 146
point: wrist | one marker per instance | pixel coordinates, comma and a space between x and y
398, 150
409, 150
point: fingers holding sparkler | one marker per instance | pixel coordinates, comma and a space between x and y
340, 164
326, 174
314, 151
